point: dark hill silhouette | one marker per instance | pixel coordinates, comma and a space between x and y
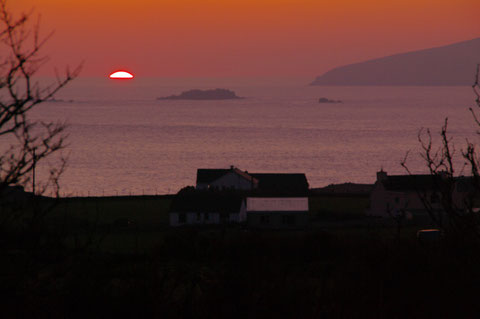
452, 64
216, 94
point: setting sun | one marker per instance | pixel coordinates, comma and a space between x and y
121, 75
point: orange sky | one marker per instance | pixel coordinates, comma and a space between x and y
243, 37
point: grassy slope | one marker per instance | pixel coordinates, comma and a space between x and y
134, 224
338, 207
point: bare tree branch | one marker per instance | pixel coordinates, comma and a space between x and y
30, 141
458, 206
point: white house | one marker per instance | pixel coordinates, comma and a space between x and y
277, 212
220, 179
268, 184
203, 208
404, 195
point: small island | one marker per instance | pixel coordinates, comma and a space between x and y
215, 94
325, 100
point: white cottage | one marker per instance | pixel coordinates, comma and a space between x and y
410, 195
277, 212
404, 195
206, 207
222, 179
267, 184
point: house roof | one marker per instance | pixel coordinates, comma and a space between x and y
402, 183
13, 193
267, 182
208, 175
467, 184
282, 182
344, 189
207, 201
245, 175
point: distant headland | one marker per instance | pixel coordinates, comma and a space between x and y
215, 94
449, 65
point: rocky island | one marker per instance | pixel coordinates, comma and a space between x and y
325, 100
215, 94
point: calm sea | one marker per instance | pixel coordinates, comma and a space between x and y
124, 141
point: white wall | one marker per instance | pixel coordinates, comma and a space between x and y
242, 216
173, 219
378, 201
202, 186
191, 218
385, 203
277, 204
232, 180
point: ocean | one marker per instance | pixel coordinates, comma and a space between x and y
123, 141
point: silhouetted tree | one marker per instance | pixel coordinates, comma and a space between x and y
29, 141
458, 195
25, 142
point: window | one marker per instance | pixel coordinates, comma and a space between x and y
207, 216
199, 217
265, 219
182, 218
288, 219
223, 218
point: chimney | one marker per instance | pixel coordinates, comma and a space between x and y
381, 176
232, 167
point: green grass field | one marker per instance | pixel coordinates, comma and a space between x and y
138, 224
119, 254
338, 207
130, 224
142, 210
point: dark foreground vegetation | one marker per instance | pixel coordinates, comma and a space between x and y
117, 266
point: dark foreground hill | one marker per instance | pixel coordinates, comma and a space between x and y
453, 64
110, 257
